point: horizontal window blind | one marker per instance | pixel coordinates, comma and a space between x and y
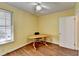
5, 26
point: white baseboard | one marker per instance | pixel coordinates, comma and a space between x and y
15, 48
55, 43
62, 46
70, 48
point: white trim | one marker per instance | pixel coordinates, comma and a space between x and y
7, 41
55, 43
15, 48
69, 48
76, 37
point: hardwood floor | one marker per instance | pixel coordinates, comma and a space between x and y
50, 50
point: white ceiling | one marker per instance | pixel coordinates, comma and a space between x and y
52, 7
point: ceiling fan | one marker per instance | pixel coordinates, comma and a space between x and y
39, 6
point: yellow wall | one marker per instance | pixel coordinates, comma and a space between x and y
49, 23
24, 24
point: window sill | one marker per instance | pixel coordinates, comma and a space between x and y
8, 41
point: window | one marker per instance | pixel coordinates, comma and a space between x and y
6, 34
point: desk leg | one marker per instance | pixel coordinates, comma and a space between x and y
45, 41
34, 45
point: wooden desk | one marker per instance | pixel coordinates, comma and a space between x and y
37, 37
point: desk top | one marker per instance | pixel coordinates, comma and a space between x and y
38, 36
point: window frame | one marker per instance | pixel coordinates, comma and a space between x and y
12, 27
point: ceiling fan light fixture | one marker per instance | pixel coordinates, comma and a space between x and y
38, 8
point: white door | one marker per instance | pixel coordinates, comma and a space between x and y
67, 32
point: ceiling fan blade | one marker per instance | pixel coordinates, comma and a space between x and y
44, 6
